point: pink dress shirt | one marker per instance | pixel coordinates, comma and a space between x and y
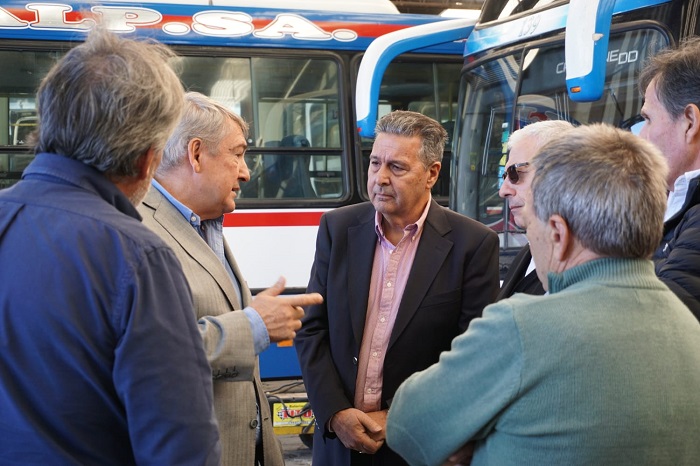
390, 270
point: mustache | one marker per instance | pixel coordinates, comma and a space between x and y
384, 192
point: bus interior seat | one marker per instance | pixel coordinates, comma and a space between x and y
287, 175
450, 128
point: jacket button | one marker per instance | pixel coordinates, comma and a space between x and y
354, 361
253, 423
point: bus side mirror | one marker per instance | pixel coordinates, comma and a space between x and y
586, 48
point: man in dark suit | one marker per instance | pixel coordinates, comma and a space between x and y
523, 145
401, 277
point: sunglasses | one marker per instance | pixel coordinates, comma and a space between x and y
512, 172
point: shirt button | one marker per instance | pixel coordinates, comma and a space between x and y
193, 219
388, 284
253, 423
369, 390
382, 320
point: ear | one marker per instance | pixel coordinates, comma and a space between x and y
692, 117
146, 165
194, 154
560, 237
433, 173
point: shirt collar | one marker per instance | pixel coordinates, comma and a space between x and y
414, 229
63, 169
676, 198
186, 212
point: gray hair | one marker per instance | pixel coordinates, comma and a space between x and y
108, 101
610, 187
677, 74
541, 131
203, 118
405, 123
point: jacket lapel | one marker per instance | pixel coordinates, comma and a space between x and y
245, 291
187, 237
362, 240
430, 256
517, 269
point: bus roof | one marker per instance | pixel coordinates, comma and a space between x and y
230, 26
524, 26
354, 6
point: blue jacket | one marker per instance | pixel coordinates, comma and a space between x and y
604, 371
101, 361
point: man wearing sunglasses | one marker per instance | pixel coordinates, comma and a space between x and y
523, 145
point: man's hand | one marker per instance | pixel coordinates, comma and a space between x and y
282, 314
358, 430
380, 418
462, 457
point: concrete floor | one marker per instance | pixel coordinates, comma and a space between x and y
295, 452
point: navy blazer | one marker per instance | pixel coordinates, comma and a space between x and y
453, 277
516, 281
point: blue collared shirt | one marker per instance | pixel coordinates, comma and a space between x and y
212, 233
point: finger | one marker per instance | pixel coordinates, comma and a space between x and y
371, 426
298, 315
372, 447
301, 299
275, 289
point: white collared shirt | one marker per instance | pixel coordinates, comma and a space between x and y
676, 198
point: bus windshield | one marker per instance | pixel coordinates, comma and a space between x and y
508, 91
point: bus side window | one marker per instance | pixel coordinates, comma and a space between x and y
287, 174
427, 87
325, 174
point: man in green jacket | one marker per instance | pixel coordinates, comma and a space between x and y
604, 370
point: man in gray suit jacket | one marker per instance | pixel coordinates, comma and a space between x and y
401, 276
195, 185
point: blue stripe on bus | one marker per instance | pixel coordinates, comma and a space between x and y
535, 24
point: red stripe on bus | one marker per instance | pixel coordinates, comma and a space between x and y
242, 218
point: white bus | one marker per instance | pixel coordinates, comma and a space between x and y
289, 72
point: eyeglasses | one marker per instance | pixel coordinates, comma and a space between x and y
512, 172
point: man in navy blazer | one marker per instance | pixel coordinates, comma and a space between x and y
401, 276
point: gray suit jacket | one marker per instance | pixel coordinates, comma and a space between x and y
227, 335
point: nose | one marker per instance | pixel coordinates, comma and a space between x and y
506, 190
382, 175
243, 172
